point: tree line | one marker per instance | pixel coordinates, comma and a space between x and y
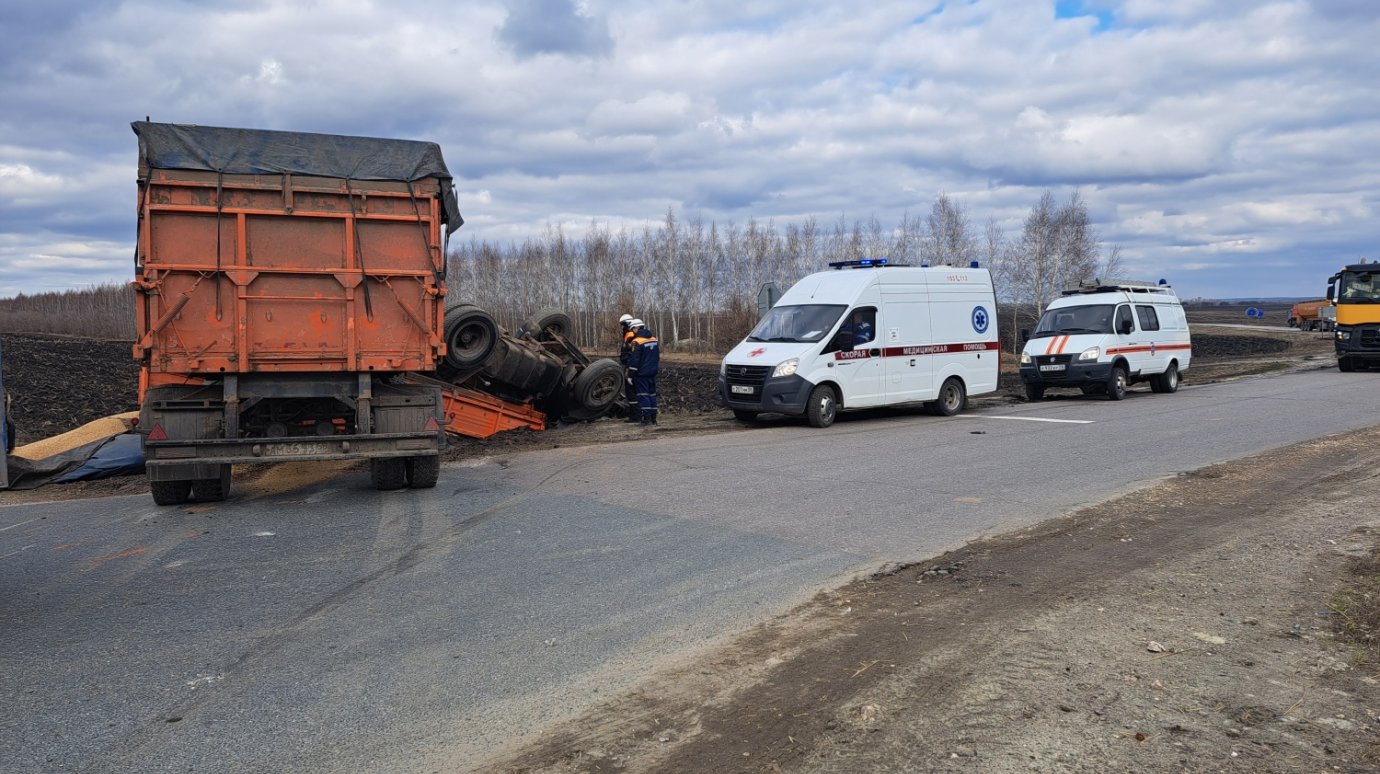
694, 282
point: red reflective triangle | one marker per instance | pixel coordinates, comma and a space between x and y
158, 434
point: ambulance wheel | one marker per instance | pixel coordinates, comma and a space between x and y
1346, 364
1116, 383
1167, 381
822, 407
952, 398
171, 492
744, 416
1034, 392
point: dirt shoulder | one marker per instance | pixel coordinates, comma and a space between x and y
1190, 626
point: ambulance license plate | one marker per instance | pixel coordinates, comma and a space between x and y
741, 389
1053, 367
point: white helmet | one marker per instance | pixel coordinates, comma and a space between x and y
624, 320
635, 323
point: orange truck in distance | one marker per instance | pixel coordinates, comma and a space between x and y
1311, 315
285, 282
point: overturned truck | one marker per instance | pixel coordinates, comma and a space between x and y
290, 306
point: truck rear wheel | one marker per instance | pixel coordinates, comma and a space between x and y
388, 472
209, 490
171, 492
471, 335
1167, 381
822, 407
598, 386
553, 320
952, 398
423, 472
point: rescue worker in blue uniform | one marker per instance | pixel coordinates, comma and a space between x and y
624, 352
644, 361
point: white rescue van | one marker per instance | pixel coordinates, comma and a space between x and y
868, 334
1102, 338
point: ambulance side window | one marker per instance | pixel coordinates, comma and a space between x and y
1149, 321
1123, 319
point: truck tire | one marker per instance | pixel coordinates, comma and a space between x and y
388, 472
1167, 381
1116, 383
1034, 392
470, 334
952, 398
212, 490
745, 416
545, 320
597, 387
822, 406
1346, 364
423, 472
9, 436
170, 492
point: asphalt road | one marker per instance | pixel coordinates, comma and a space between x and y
339, 628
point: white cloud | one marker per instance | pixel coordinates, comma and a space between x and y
1191, 127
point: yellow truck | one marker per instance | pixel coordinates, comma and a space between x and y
1356, 292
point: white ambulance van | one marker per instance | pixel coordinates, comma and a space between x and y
1103, 337
868, 333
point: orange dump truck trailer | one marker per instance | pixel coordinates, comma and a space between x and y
285, 282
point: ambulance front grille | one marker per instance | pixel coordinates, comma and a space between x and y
746, 374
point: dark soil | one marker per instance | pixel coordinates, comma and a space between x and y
58, 383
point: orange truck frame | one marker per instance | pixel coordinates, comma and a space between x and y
285, 282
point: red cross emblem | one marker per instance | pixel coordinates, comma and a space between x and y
757, 352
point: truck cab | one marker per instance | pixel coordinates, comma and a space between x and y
1356, 292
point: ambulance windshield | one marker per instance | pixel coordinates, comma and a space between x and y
1095, 318
805, 323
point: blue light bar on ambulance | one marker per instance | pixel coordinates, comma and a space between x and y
858, 264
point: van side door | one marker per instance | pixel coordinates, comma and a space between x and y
1156, 357
1127, 337
907, 343
856, 357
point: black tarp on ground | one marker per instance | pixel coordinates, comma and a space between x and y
270, 152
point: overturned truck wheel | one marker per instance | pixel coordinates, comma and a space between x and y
471, 335
546, 322
597, 388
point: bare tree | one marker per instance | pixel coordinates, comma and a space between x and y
950, 241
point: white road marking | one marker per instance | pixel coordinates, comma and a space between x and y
20, 524
1027, 419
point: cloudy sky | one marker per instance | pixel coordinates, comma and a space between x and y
1232, 146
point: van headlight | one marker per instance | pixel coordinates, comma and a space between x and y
1025, 359
786, 367
1091, 353
723, 368
1343, 335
